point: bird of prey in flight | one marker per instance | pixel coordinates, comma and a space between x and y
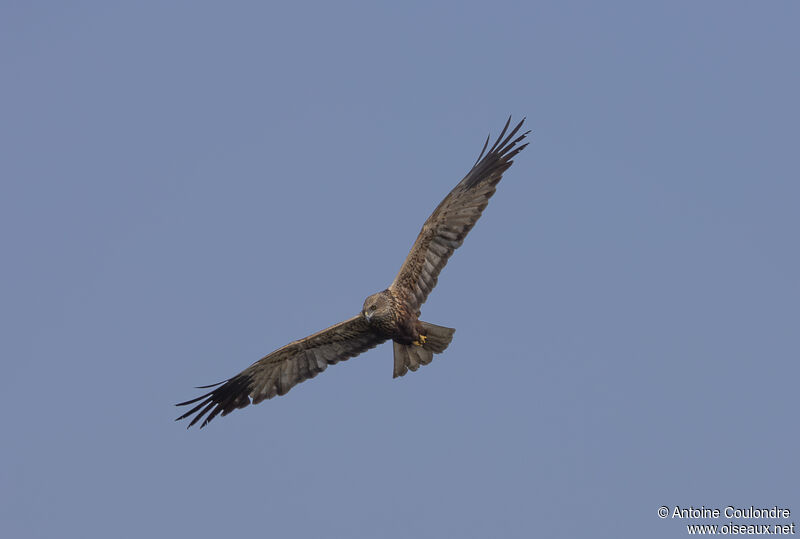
390, 314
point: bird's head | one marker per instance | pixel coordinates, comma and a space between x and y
377, 306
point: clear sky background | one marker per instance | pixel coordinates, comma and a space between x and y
187, 186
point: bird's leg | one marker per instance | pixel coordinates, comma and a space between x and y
421, 340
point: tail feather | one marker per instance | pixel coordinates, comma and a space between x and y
411, 356
439, 337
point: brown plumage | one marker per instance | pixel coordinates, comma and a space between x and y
390, 314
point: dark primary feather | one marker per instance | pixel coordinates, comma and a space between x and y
445, 230
276, 373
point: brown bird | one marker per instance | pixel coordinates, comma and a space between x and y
390, 314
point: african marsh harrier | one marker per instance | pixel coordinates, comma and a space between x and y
390, 314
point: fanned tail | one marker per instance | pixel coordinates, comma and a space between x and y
438, 337
411, 356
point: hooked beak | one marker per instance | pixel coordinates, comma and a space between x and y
366, 315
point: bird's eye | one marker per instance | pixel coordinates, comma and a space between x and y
372, 307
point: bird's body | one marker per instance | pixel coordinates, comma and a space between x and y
392, 314
388, 315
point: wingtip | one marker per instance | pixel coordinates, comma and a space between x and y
211, 385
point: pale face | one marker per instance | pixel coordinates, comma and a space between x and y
376, 306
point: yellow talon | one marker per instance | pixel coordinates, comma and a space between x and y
422, 340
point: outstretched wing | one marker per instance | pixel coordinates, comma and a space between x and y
448, 225
280, 371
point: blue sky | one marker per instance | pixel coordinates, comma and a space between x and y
187, 186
